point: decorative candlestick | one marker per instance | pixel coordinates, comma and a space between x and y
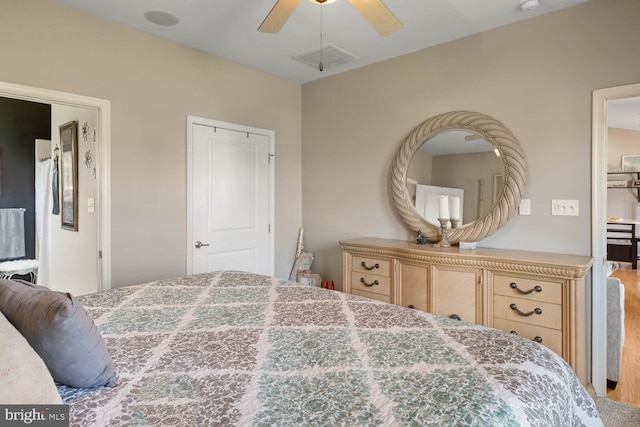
444, 206
443, 243
454, 222
455, 209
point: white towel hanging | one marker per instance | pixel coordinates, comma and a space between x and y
12, 233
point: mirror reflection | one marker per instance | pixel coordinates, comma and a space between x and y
458, 164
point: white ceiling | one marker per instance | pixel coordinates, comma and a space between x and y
228, 28
624, 113
453, 142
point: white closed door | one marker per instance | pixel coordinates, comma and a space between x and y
230, 201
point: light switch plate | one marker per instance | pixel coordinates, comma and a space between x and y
525, 207
564, 207
91, 204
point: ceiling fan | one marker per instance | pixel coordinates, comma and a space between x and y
380, 18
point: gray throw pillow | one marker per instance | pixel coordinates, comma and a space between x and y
60, 331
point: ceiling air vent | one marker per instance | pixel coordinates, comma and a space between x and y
332, 56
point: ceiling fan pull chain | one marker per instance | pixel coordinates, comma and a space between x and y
321, 66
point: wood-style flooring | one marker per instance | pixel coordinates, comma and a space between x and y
628, 389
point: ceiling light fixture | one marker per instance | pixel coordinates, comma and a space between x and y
528, 5
161, 18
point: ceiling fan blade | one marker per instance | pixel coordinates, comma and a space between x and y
278, 16
378, 16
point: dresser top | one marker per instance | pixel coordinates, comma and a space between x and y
561, 265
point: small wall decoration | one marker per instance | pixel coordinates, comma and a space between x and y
631, 163
85, 131
69, 175
88, 162
88, 159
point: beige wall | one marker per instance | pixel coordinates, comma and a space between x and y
535, 76
73, 260
153, 85
622, 202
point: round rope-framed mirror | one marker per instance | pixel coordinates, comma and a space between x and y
507, 197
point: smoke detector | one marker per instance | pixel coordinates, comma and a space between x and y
527, 5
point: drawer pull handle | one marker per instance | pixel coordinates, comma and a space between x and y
536, 339
455, 317
369, 268
368, 285
411, 306
535, 311
514, 285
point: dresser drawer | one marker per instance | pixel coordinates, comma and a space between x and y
534, 289
449, 281
365, 282
551, 338
523, 310
377, 297
379, 267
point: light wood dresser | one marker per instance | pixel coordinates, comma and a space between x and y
541, 296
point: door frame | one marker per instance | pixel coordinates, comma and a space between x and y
270, 134
598, 227
103, 108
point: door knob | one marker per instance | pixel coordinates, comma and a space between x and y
199, 244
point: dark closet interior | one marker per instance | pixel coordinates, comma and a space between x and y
21, 123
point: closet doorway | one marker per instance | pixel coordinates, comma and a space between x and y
83, 109
230, 191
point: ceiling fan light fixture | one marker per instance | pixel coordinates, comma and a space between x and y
322, 2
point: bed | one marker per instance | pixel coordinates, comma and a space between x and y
233, 348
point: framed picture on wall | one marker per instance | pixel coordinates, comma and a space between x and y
631, 163
69, 175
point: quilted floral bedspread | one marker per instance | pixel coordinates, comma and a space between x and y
233, 348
